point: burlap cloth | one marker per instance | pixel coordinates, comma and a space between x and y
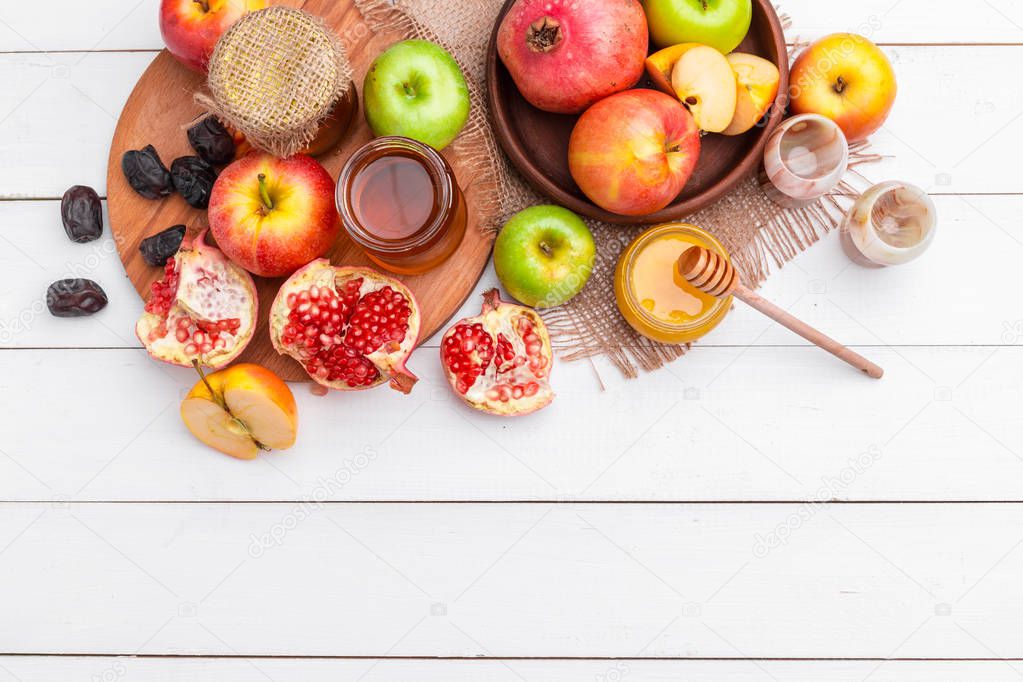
758, 234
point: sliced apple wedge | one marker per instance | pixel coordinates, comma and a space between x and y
705, 82
241, 411
756, 82
660, 64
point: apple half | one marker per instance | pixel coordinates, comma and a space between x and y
241, 411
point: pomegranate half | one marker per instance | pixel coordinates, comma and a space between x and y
351, 328
204, 309
565, 55
500, 362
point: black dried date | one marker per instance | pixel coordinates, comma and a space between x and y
75, 298
162, 245
146, 173
212, 142
193, 179
82, 214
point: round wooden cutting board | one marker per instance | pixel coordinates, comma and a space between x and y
159, 111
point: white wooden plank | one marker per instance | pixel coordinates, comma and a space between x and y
113, 25
721, 424
916, 304
956, 116
567, 580
109, 669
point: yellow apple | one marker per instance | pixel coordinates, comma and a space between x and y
704, 81
660, 64
846, 78
756, 82
241, 410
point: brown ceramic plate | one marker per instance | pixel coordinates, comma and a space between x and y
537, 142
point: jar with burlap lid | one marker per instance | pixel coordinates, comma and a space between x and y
275, 77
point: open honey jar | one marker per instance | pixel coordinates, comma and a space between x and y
399, 200
653, 296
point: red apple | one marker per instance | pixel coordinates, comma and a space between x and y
846, 78
191, 28
272, 216
633, 152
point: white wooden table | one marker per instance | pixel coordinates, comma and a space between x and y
755, 511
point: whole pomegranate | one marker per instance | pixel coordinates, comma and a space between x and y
500, 362
204, 309
351, 328
565, 55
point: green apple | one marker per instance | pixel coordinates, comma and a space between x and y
722, 24
415, 89
544, 256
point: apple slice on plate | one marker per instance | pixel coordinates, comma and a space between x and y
756, 82
705, 82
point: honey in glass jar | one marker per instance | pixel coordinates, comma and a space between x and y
654, 298
399, 201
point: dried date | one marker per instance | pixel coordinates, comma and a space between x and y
212, 142
193, 179
162, 245
75, 298
146, 173
82, 214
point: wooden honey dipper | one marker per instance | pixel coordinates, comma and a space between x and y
714, 275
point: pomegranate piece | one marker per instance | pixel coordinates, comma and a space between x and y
204, 309
351, 328
500, 362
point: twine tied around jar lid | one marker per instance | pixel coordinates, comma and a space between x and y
275, 76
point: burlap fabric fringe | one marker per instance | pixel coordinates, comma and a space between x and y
261, 63
759, 234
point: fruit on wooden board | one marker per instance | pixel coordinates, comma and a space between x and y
191, 28
241, 411
565, 55
633, 152
722, 24
146, 173
544, 256
157, 248
416, 89
272, 216
846, 78
82, 214
212, 141
350, 328
500, 361
204, 309
756, 81
704, 81
193, 179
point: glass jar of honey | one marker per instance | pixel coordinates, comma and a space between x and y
654, 298
399, 200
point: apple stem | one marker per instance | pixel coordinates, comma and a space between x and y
546, 248
204, 4
264, 195
219, 400
840, 85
